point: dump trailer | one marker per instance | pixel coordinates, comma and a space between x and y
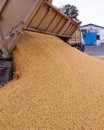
36, 16
76, 40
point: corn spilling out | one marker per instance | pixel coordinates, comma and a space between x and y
56, 87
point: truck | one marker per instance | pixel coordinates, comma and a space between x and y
76, 40
36, 16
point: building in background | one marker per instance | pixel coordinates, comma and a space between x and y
93, 34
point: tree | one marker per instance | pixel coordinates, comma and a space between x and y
70, 10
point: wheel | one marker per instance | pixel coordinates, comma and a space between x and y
80, 47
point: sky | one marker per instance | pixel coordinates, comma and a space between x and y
90, 11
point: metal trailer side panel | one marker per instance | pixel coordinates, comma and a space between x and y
76, 38
2, 5
68, 29
60, 25
54, 23
36, 15
50, 1
41, 18
48, 19
66, 25
14, 12
72, 30
14, 16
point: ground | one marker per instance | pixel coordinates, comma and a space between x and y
96, 51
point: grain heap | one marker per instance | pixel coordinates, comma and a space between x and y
59, 88
101, 58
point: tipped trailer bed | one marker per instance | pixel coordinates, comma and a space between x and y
37, 16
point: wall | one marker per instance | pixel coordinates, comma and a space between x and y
98, 30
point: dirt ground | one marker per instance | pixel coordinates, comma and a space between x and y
57, 87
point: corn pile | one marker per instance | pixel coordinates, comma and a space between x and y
58, 88
101, 58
